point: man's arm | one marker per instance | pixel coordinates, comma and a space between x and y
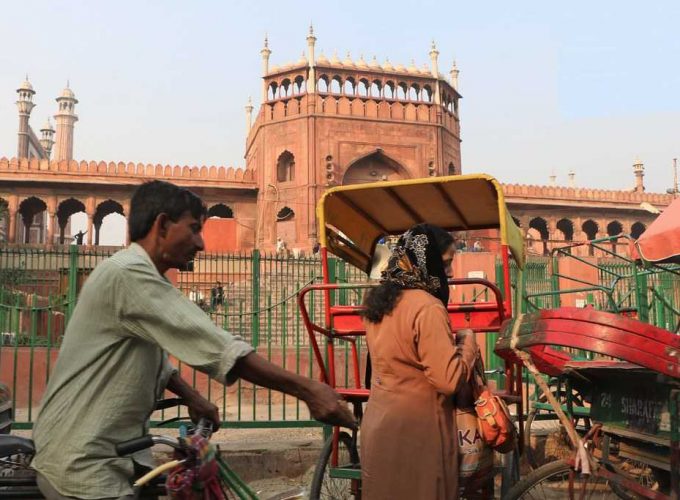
197, 404
325, 405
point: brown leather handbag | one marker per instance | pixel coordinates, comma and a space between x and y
493, 416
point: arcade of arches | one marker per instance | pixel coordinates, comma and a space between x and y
47, 219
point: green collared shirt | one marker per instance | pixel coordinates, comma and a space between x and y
113, 366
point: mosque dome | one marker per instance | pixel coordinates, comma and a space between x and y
67, 93
322, 59
347, 61
26, 85
387, 65
374, 63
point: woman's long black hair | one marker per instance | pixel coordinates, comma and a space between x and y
381, 300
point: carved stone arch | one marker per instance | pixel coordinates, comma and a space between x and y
322, 84
372, 167
402, 91
540, 225
222, 211
376, 89
566, 226
104, 209
4, 220
389, 89
637, 229
285, 167
272, 90
451, 168
32, 210
614, 228
285, 230
591, 229
414, 92
286, 213
299, 85
349, 87
363, 87
65, 210
286, 88
427, 93
336, 85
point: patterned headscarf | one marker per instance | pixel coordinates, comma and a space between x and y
416, 262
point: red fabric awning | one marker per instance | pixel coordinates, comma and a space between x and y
661, 241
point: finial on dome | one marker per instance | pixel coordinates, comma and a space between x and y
311, 29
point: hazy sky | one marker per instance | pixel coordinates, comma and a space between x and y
547, 86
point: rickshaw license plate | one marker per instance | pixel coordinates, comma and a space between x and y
633, 401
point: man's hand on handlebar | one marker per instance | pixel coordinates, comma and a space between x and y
199, 407
327, 406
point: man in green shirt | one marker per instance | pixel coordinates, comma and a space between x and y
113, 364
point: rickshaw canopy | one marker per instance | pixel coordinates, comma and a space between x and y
352, 219
661, 241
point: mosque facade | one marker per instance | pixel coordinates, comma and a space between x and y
322, 122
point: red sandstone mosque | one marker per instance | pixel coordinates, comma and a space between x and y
322, 122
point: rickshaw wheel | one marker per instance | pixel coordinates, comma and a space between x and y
325, 487
650, 477
557, 445
551, 481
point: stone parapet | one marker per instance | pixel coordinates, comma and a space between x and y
115, 173
551, 194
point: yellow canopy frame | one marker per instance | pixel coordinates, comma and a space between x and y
353, 218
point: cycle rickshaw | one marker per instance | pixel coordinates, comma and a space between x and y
352, 220
625, 371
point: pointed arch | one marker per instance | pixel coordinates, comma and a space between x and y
372, 167
541, 227
566, 226
104, 210
286, 213
65, 210
221, 211
32, 211
285, 167
637, 229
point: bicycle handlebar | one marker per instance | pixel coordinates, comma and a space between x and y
134, 445
204, 428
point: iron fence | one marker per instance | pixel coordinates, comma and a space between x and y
39, 289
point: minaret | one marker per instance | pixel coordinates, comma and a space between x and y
454, 76
311, 81
47, 140
249, 115
25, 105
265, 66
66, 119
434, 55
639, 171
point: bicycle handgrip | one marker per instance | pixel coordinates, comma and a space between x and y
134, 445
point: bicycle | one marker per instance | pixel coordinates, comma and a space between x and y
194, 454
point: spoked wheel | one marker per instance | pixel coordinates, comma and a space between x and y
645, 475
556, 445
325, 487
552, 481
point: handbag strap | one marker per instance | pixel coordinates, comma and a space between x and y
478, 378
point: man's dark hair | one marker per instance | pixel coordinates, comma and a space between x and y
159, 197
